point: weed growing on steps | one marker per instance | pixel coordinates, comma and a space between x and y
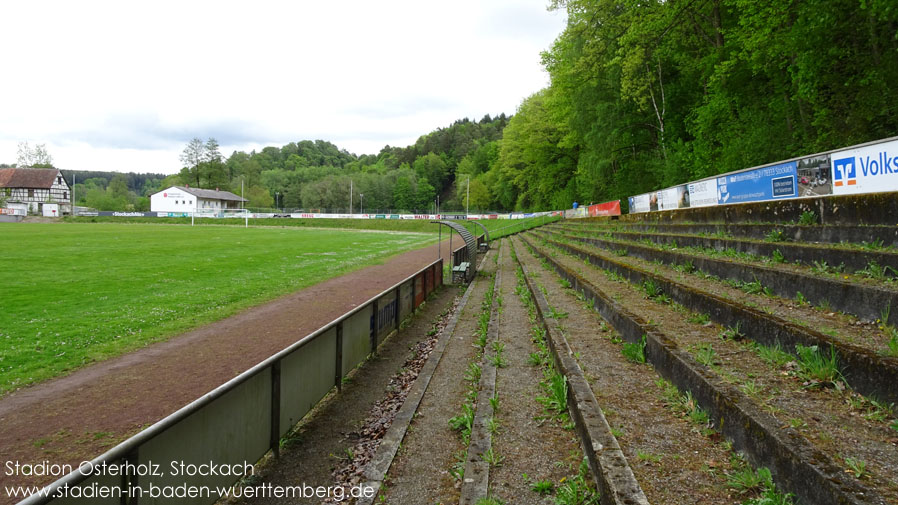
543, 487
654, 292
857, 467
687, 267
743, 479
772, 355
733, 332
775, 236
874, 270
815, 368
705, 355
807, 218
576, 490
464, 422
635, 351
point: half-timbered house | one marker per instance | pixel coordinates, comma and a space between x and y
32, 188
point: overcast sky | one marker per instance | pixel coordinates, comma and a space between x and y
125, 85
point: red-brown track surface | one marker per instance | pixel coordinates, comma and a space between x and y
77, 417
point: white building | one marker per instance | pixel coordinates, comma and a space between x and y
183, 199
36, 190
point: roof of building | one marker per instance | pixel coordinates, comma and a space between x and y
36, 178
212, 194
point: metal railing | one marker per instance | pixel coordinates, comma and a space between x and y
238, 422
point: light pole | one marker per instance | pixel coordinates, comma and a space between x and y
276, 195
362, 203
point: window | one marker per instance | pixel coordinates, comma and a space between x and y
30, 193
65, 195
58, 179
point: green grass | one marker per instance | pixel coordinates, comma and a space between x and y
497, 227
815, 366
79, 293
635, 351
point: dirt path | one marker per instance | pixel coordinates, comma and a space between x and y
77, 417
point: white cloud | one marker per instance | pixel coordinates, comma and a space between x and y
124, 85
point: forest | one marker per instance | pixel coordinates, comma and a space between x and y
317, 174
642, 95
648, 94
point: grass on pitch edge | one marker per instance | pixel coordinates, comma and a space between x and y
78, 293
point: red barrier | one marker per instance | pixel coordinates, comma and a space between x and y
428, 281
419, 289
438, 274
605, 209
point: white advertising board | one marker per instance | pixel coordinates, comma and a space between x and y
639, 203
871, 169
703, 193
673, 198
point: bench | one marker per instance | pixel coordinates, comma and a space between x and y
460, 272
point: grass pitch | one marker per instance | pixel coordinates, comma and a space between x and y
497, 227
77, 293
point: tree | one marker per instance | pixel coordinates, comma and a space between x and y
191, 157
258, 197
403, 195
36, 157
210, 151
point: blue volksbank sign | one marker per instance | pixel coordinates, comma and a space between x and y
768, 183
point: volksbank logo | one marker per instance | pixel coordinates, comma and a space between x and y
880, 164
844, 172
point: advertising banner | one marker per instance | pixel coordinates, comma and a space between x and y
814, 176
768, 183
605, 209
703, 193
871, 169
143, 214
641, 203
673, 198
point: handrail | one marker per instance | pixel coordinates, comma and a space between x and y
127, 447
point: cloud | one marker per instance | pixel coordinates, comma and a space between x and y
125, 85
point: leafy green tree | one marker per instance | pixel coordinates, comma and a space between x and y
424, 195
433, 168
403, 195
258, 197
191, 157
